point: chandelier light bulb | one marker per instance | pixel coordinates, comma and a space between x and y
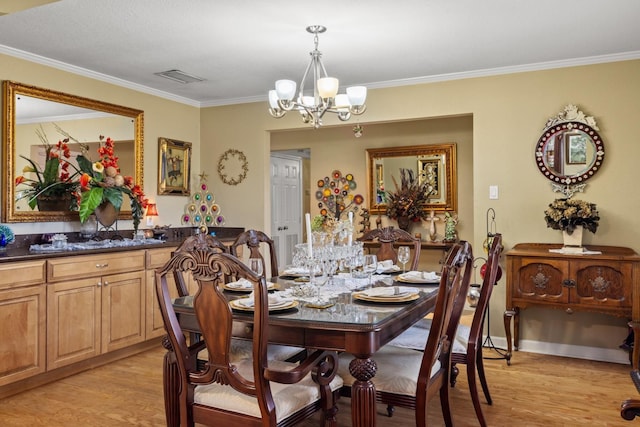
357, 95
342, 101
328, 87
273, 99
285, 89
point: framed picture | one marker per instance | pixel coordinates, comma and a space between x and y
429, 169
576, 146
174, 167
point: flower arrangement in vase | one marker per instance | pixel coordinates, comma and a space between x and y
568, 214
52, 186
408, 203
101, 185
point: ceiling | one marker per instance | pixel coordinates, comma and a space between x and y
241, 47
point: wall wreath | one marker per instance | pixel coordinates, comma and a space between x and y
233, 167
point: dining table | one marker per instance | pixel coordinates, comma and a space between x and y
348, 324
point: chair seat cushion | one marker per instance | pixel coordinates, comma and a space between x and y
242, 349
416, 337
288, 398
397, 372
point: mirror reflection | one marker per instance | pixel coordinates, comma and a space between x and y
570, 150
435, 164
34, 117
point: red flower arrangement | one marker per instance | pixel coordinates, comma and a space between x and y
101, 182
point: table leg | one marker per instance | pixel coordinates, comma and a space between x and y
363, 392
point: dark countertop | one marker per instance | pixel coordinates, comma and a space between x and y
19, 250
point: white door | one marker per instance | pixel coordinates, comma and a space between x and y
286, 205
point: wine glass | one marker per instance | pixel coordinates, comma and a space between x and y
255, 264
319, 279
403, 256
369, 265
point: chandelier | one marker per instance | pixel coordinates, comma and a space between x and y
325, 96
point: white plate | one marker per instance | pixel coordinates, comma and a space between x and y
413, 277
235, 287
245, 304
393, 269
386, 298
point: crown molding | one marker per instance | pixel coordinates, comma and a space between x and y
539, 66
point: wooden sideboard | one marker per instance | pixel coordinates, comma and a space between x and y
607, 283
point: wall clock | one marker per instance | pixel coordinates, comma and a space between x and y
233, 167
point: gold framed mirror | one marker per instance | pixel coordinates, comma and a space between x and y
30, 111
433, 163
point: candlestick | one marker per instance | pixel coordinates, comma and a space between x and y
307, 218
350, 236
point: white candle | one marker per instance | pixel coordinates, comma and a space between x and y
307, 218
350, 237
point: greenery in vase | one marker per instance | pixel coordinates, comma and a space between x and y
567, 214
101, 181
55, 179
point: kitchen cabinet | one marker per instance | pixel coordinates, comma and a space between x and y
23, 320
95, 304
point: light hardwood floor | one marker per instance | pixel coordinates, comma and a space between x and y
536, 390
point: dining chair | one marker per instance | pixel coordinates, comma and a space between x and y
409, 378
239, 348
202, 242
256, 240
467, 346
253, 391
386, 237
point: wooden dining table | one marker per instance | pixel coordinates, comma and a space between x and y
349, 325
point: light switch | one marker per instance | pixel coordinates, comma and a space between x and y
493, 192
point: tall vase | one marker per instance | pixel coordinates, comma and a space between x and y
404, 223
573, 241
106, 214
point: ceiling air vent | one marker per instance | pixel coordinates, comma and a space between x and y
179, 76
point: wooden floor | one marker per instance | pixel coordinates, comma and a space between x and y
535, 390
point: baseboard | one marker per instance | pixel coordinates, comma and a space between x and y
612, 355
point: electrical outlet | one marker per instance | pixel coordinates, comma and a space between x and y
493, 192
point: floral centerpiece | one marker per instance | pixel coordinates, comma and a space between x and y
409, 200
567, 214
338, 229
101, 183
53, 182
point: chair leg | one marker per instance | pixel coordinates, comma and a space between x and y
473, 389
483, 378
445, 404
390, 410
454, 374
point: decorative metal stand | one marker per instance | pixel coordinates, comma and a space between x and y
488, 341
104, 232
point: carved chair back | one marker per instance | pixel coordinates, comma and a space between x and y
388, 238
256, 240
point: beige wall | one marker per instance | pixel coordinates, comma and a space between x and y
507, 113
336, 148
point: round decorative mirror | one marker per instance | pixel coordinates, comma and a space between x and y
570, 150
